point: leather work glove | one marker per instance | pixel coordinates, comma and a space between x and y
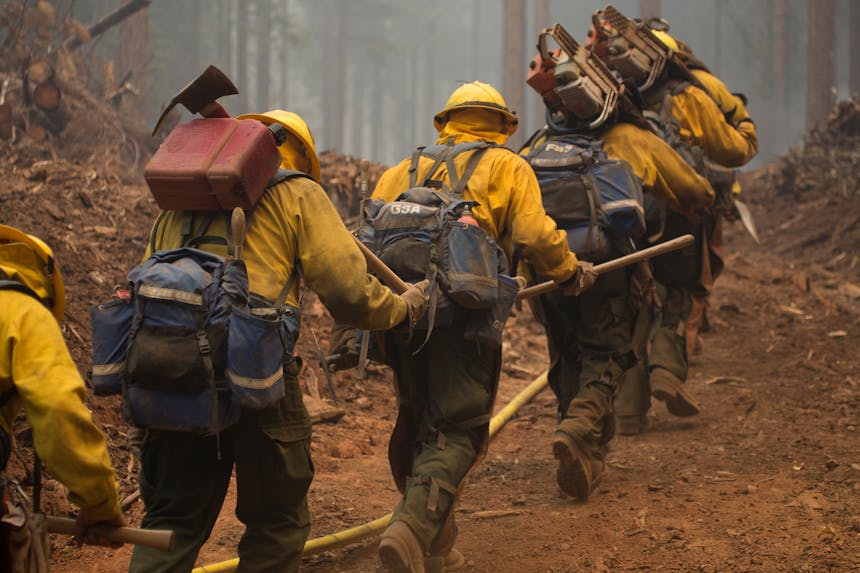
583, 279
342, 342
416, 298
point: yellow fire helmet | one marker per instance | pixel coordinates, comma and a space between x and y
297, 127
480, 95
667, 39
27, 259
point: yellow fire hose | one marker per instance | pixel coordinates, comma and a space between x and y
375, 527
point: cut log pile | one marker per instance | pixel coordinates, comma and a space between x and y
52, 104
341, 179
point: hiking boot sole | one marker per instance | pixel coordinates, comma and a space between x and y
573, 475
678, 401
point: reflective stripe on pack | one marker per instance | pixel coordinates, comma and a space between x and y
254, 383
175, 295
626, 203
108, 369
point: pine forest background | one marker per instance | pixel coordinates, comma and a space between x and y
368, 75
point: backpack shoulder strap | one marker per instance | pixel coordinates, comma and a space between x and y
471, 165
413, 167
9, 284
282, 175
458, 182
440, 154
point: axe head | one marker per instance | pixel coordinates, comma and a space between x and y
208, 87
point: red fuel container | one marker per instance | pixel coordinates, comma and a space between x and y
212, 164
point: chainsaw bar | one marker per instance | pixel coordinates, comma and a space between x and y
640, 37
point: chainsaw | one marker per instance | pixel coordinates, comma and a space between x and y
571, 80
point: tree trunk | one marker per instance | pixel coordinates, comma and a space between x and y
537, 115
231, 39
283, 99
513, 63
192, 56
649, 8
376, 114
242, 59
780, 61
854, 56
263, 29
341, 71
431, 90
134, 56
223, 39
718, 36
329, 72
476, 40
820, 61
357, 111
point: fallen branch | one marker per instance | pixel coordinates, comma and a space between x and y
110, 20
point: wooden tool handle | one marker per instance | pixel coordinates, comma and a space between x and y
160, 539
237, 224
387, 275
615, 264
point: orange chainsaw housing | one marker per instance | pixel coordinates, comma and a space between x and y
213, 164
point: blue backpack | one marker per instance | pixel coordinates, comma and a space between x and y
594, 198
190, 346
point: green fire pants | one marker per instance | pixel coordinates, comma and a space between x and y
183, 484
445, 394
590, 348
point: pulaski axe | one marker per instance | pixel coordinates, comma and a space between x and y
199, 96
399, 286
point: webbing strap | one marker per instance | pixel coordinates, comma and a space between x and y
206, 355
429, 175
435, 484
295, 275
413, 167
10, 284
472, 164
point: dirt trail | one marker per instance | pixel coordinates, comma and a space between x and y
766, 479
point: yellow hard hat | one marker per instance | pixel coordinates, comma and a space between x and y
480, 95
667, 39
296, 126
28, 259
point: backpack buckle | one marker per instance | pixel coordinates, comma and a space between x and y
203, 343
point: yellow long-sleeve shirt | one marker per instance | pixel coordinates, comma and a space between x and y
294, 221
663, 172
703, 124
34, 359
510, 208
731, 105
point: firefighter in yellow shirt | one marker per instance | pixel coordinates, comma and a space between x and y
293, 231
692, 117
446, 384
724, 180
591, 337
37, 373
